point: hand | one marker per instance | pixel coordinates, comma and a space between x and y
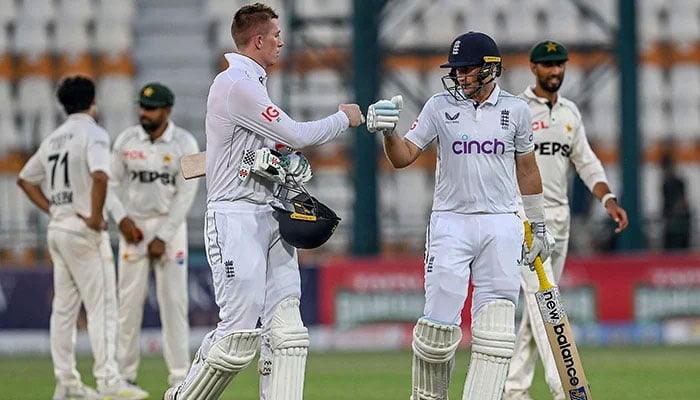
542, 243
96, 223
618, 214
269, 164
156, 248
299, 167
384, 114
128, 229
354, 114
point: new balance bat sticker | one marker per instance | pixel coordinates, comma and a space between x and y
193, 165
561, 338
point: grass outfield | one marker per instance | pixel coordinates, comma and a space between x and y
614, 373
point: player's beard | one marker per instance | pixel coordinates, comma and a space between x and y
549, 86
150, 125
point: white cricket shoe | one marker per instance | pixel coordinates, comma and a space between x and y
123, 391
77, 392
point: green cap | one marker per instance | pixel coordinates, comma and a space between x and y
548, 50
156, 95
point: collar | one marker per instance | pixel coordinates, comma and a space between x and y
167, 136
246, 62
529, 94
81, 116
493, 97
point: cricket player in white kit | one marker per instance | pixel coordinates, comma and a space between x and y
560, 140
255, 272
150, 200
484, 141
73, 163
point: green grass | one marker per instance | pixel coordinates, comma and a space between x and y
614, 373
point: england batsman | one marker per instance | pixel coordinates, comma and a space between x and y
150, 200
560, 140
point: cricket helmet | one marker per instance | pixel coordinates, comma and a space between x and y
304, 221
470, 50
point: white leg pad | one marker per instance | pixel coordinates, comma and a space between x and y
434, 348
493, 340
227, 357
283, 359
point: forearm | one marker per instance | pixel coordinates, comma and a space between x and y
600, 189
399, 151
529, 179
35, 194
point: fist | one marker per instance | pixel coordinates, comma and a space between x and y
354, 114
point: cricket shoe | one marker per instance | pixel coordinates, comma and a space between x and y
123, 391
76, 392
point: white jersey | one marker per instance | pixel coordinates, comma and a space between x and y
65, 160
241, 116
560, 139
147, 181
477, 146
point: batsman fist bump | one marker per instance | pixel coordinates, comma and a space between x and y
383, 115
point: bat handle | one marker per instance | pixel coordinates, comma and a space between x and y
539, 268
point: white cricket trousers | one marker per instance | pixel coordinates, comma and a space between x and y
531, 340
253, 269
483, 249
171, 292
83, 273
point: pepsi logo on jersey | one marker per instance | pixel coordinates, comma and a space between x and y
153, 176
552, 149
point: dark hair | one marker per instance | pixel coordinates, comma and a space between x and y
76, 93
251, 20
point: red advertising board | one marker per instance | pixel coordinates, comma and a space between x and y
617, 288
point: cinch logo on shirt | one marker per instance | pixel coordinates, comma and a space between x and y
466, 146
152, 176
552, 148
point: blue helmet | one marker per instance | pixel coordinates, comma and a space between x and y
472, 49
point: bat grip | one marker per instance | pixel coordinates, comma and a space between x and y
539, 268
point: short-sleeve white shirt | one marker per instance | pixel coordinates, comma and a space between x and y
477, 146
65, 161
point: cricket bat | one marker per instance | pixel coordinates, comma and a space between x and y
561, 338
193, 165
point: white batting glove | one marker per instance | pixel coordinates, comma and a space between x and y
269, 165
542, 243
299, 167
384, 114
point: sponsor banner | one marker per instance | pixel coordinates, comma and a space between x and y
26, 295
602, 289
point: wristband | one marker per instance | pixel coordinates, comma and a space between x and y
533, 205
606, 197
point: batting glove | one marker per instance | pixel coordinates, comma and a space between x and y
299, 167
384, 114
269, 164
542, 243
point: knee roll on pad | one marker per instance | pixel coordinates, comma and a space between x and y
434, 347
493, 333
227, 357
283, 363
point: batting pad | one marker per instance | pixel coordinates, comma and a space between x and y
283, 354
493, 340
227, 357
434, 347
